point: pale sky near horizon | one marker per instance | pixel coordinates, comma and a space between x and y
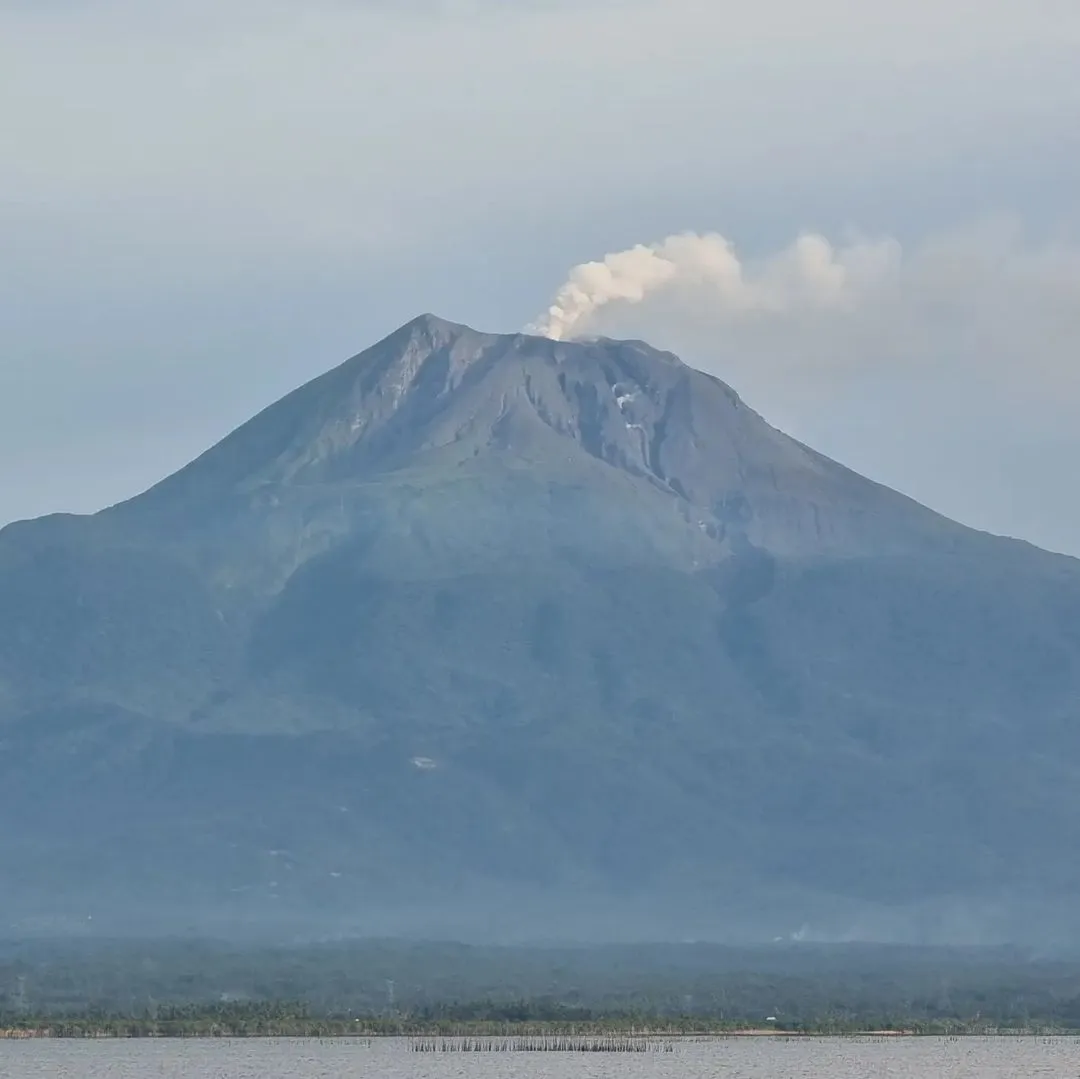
204, 205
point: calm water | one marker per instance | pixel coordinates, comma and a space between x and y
748, 1058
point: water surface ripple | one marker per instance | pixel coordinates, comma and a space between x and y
733, 1058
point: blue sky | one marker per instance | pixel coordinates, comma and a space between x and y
203, 205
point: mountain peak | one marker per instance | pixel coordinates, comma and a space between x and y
439, 398
433, 326
602, 601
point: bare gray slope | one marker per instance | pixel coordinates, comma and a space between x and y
507, 620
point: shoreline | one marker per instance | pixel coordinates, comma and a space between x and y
59, 1034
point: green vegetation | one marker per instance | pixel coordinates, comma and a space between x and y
667, 671
516, 1027
377, 988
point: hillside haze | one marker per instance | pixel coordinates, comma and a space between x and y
496, 636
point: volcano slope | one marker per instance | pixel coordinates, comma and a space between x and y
499, 636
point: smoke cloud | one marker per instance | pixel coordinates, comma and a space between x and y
810, 274
946, 367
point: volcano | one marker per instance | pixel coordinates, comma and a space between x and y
497, 636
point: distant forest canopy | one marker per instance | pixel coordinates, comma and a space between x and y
184, 986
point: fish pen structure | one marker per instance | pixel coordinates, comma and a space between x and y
553, 1043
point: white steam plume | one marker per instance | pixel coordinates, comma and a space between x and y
947, 367
810, 274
